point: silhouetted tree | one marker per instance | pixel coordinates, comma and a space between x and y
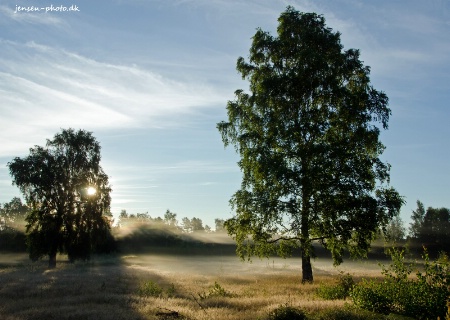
192, 225
435, 231
220, 225
395, 230
309, 145
170, 218
197, 225
12, 225
68, 194
13, 214
186, 225
417, 220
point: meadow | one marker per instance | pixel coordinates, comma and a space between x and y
157, 286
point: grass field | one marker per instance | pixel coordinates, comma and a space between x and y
167, 287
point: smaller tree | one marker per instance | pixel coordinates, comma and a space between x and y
170, 218
431, 228
186, 225
417, 220
12, 225
123, 217
220, 225
13, 214
435, 232
197, 225
395, 230
143, 217
192, 225
68, 194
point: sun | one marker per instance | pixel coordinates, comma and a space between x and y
91, 191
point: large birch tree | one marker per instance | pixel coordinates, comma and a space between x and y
308, 139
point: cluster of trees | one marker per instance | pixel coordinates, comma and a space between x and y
431, 227
169, 221
12, 225
12, 215
15, 215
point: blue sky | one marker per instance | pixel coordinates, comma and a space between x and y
152, 78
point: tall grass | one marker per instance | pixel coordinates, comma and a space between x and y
135, 287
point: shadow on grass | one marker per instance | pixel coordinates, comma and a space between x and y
103, 288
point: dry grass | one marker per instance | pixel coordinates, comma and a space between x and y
108, 288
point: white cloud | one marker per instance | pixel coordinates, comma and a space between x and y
43, 89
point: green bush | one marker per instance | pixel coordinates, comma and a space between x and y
170, 291
422, 298
340, 291
346, 313
150, 289
372, 296
287, 313
216, 291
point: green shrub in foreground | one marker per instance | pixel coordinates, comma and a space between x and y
346, 313
340, 291
150, 289
287, 313
215, 291
422, 298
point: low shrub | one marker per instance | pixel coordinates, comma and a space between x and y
340, 291
424, 297
286, 312
150, 289
347, 313
216, 291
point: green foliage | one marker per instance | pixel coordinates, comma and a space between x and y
150, 289
395, 230
431, 228
219, 225
170, 218
215, 291
347, 313
371, 296
340, 291
423, 298
417, 220
192, 225
308, 142
447, 316
12, 215
286, 312
170, 291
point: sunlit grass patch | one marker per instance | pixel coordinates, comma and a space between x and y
152, 287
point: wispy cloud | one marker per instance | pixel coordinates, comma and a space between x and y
43, 89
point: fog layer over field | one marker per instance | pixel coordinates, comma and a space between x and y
219, 266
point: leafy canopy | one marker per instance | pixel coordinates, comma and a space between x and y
54, 180
308, 139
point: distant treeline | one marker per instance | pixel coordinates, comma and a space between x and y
142, 233
131, 233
